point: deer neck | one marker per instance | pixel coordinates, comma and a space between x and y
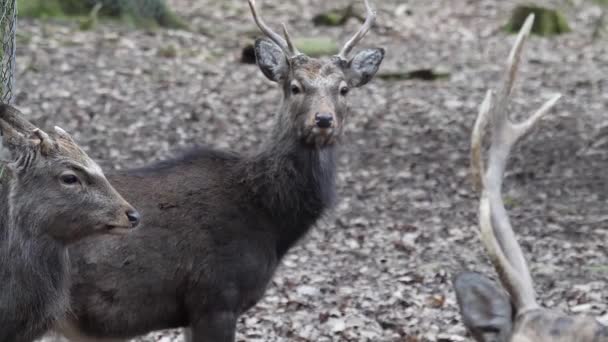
33, 269
293, 183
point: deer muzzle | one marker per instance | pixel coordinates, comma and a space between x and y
324, 120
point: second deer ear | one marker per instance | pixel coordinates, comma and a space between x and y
271, 59
485, 307
63, 134
363, 66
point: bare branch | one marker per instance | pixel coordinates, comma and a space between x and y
367, 25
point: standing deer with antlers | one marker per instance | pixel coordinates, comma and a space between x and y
489, 313
217, 224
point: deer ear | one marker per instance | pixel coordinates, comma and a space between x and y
485, 307
14, 143
63, 134
271, 59
363, 66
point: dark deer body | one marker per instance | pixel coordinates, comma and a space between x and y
216, 224
512, 314
214, 230
49, 191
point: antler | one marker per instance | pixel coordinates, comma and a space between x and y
496, 232
367, 25
285, 44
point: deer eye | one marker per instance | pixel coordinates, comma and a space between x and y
295, 88
69, 179
344, 89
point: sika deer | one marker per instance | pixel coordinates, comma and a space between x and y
51, 194
488, 312
216, 223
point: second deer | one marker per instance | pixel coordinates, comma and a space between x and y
51, 194
489, 312
217, 224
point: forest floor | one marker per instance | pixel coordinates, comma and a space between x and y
379, 266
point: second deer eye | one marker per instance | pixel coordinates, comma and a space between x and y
295, 88
69, 179
344, 88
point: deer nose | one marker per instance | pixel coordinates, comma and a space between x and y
324, 120
134, 217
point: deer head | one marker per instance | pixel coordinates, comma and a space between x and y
72, 196
314, 90
512, 314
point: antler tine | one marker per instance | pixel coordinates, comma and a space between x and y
523, 128
284, 44
515, 53
367, 25
477, 165
496, 230
515, 131
290, 46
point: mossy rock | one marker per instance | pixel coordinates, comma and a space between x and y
547, 21
137, 12
50, 8
169, 51
335, 17
316, 47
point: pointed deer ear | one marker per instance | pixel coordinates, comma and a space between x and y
363, 66
63, 134
14, 142
271, 59
20, 139
485, 307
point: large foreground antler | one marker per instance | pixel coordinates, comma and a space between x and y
367, 25
496, 232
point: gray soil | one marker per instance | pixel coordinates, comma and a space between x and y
379, 266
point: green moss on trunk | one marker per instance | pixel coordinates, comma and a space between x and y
137, 12
316, 47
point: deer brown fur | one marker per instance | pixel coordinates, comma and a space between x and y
216, 223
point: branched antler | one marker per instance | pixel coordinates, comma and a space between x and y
290, 49
367, 25
496, 231
285, 44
